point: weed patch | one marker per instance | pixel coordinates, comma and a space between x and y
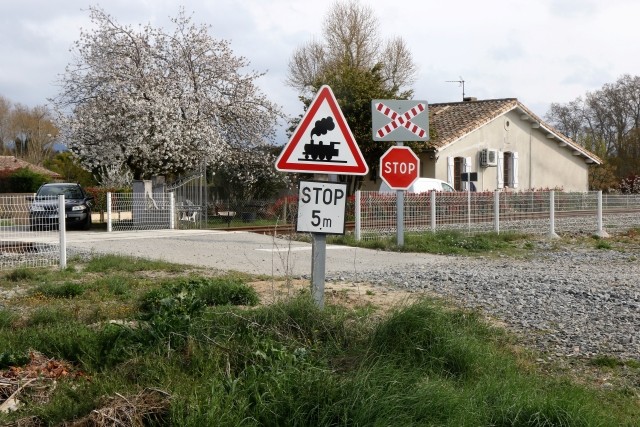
65, 290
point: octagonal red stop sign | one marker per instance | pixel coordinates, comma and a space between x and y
399, 167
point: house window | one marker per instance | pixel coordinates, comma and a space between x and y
506, 170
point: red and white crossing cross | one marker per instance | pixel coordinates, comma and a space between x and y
401, 120
409, 120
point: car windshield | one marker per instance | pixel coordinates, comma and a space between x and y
69, 192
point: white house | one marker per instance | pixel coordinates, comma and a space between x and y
507, 145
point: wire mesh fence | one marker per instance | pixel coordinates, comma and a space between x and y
138, 211
534, 212
29, 232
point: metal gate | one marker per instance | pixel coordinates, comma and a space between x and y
190, 200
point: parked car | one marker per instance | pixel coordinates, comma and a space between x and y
421, 185
43, 212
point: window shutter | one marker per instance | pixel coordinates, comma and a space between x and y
500, 170
450, 169
467, 169
514, 169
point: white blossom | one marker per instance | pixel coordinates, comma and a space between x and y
157, 102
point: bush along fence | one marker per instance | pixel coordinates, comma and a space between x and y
535, 212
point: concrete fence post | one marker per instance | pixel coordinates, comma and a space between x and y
600, 232
109, 224
172, 211
552, 215
62, 231
496, 211
433, 210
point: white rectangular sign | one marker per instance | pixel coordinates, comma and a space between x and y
322, 207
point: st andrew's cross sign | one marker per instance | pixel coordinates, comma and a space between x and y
399, 120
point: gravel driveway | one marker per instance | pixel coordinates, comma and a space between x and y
577, 302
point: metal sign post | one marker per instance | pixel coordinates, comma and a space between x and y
322, 208
400, 120
400, 212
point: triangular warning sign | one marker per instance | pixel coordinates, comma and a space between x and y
323, 142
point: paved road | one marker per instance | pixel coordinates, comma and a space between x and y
241, 251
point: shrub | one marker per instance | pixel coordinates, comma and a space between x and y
630, 184
22, 180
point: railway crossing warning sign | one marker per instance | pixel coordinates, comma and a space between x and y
323, 142
393, 120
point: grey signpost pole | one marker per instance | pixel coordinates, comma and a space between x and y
400, 212
318, 267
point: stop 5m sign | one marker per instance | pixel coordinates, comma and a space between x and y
399, 167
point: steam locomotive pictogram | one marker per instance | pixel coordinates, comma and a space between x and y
320, 151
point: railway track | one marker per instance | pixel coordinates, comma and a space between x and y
278, 229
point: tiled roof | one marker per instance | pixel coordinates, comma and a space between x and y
451, 121
13, 163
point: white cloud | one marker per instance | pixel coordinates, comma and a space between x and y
539, 52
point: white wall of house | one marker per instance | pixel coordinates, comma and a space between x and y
537, 162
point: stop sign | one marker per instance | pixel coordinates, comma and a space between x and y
399, 167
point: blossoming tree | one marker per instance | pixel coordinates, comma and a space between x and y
154, 102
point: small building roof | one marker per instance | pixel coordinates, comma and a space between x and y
451, 121
11, 163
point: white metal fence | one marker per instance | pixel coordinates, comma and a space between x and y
138, 211
29, 232
30, 237
528, 212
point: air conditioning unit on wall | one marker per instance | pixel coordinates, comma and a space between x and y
488, 157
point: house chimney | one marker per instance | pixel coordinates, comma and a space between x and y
469, 99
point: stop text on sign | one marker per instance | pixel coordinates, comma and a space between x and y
322, 207
399, 167
318, 195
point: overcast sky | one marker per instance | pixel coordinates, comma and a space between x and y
540, 51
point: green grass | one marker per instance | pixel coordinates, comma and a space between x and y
226, 360
446, 242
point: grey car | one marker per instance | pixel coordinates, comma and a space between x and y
43, 212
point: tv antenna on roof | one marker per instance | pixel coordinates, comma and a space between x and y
461, 82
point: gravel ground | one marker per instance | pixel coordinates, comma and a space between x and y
573, 302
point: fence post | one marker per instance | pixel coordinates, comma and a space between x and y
172, 211
433, 211
496, 211
62, 231
109, 227
600, 232
552, 215
358, 212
